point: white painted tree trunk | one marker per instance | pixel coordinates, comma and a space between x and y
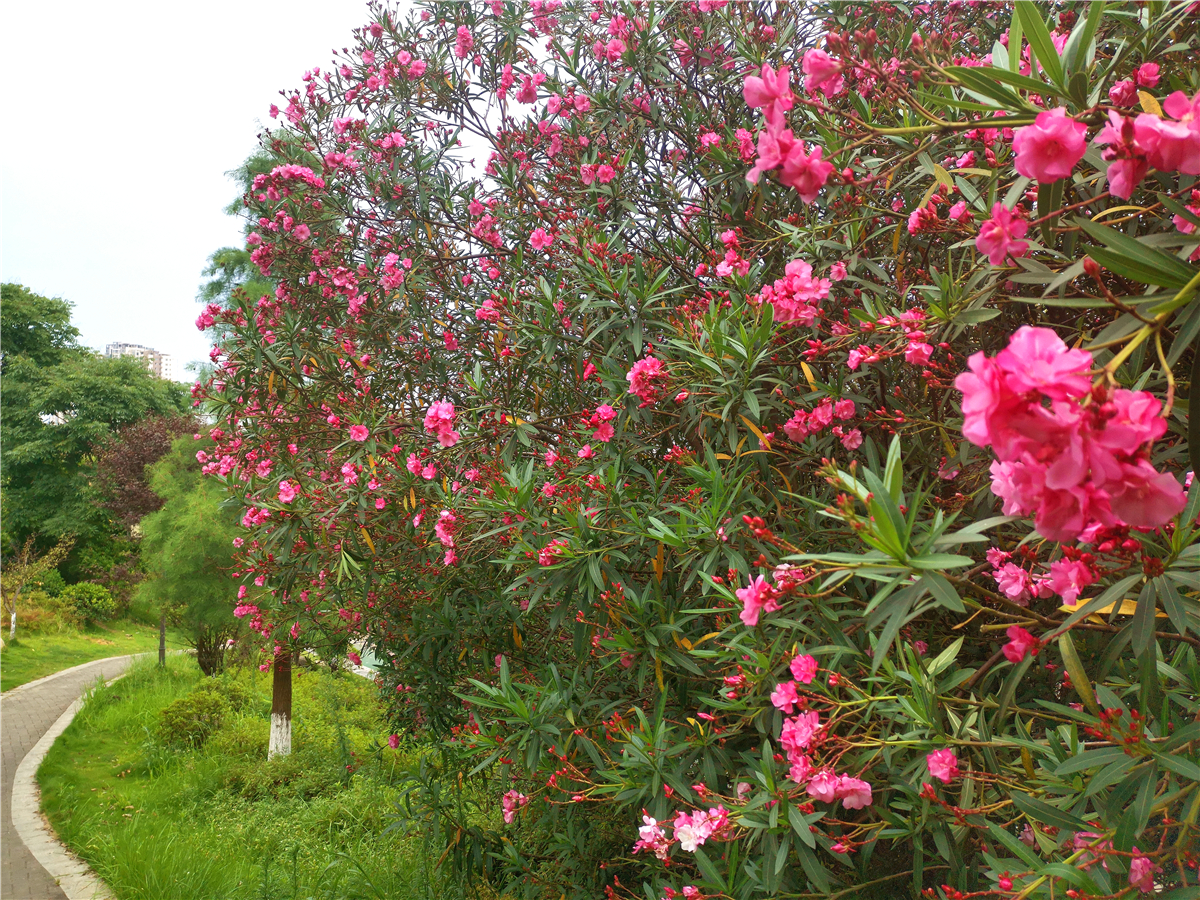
12, 628
281, 707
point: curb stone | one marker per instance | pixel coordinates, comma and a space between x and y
77, 881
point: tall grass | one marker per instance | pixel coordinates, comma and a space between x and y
222, 822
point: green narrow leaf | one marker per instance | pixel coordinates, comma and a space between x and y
816, 873
1049, 200
1074, 667
1143, 619
1043, 812
1172, 604
943, 591
1040, 42
985, 87
1166, 270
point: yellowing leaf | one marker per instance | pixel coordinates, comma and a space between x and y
808, 376
1149, 104
516, 636
367, 538
658, 674
658, 563
758, 434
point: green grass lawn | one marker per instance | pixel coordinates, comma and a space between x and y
219, 821
35, 654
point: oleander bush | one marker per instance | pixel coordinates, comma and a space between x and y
754, 437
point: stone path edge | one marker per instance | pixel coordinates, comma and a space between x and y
74, 877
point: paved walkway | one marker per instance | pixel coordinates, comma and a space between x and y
26, 713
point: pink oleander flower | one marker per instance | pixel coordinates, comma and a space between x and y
510, 803
805, 172
393, 741
1020, 644
1172, 146
646, 379
1127, 162
800, 769
1123, 93
439, 421
784, 696
651, 837
1068, 578
1048, 149
943, 765
769, 90
799, 731
1141, 873
837, 271
540, 240
824, 73
823, 786
1014, 583
1147, 75
756, 598
853, 792
359, 432
444, 527
1000, 236
287, 492
804, 668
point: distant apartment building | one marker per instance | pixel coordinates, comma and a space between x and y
161, 365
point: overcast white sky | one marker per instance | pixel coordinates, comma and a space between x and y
120, 120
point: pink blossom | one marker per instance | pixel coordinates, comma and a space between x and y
287, 492
586, 452
1172, 145
960, 212
439, 421
798, 732
1014, 583
1048, 149
784, 696
1123, 93
1143, 497
837, 271
1000, 236
943, 765
1020, 644
804, 668
1147, 75
359, 432
540, 240
769, 90
823, 786
824, 73
801, 769
510, 803
645, 379
756, 597
853, 792
918, 353
445, 526
807, 173
1068, 578
393, 741
1141, 868
651, 837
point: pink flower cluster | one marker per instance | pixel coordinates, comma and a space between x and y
794, 296
510, 803
646, 379
691, 830
601, 420
803, 423
777, 146
1066, 577
1000, 237
943, 765
1073, 458
439, 421
426, 470
1134, 145
549, 554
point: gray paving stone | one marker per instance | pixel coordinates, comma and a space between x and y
26, 713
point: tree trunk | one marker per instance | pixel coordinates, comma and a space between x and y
162, 637
281, 707
12, 628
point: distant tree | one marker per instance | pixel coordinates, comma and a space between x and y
61, 403
35, 327
26, 567
122, 478
187, 550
